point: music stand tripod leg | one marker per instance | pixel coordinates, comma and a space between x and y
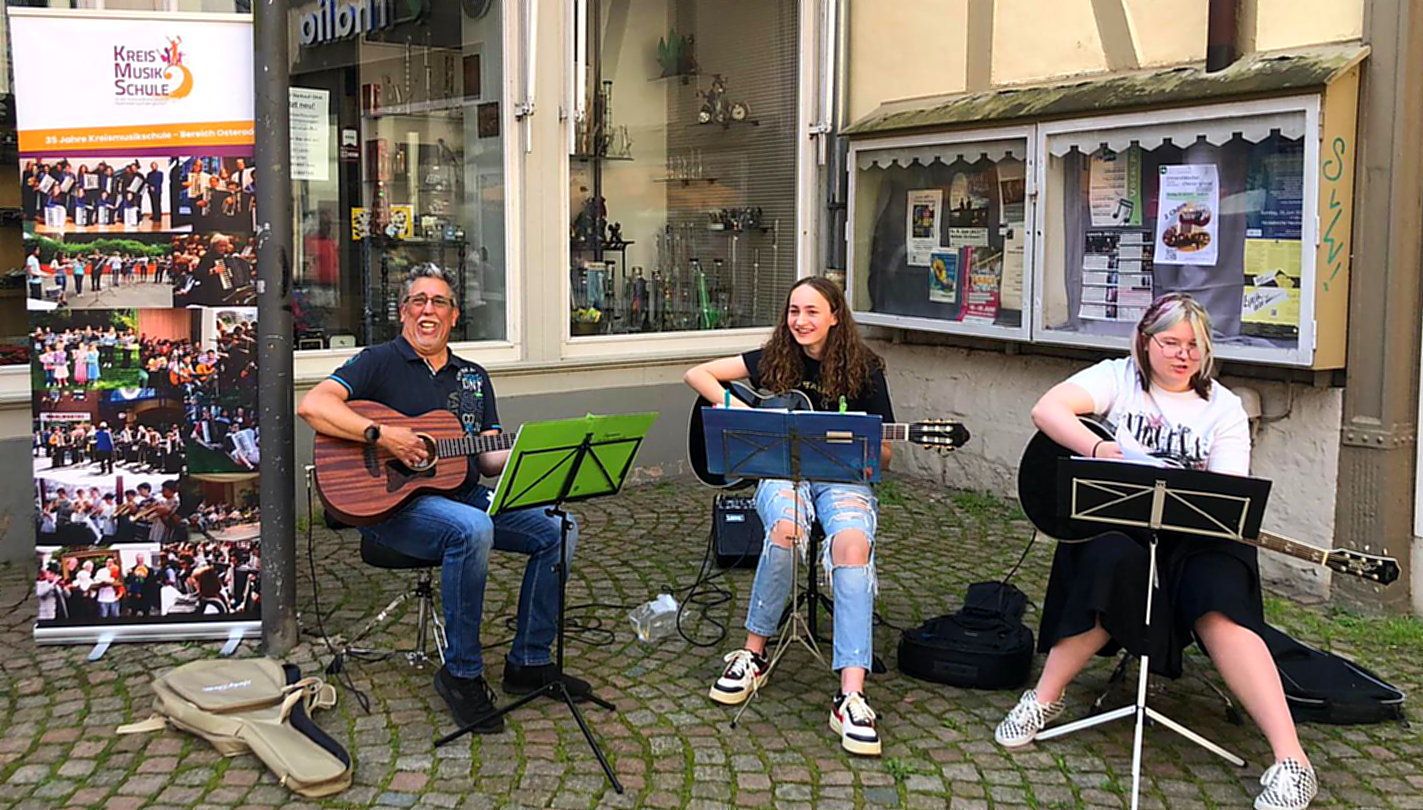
1139, 707
556, 687
795, 630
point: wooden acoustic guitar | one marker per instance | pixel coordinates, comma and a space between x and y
941, 434
1037, 492
362, 484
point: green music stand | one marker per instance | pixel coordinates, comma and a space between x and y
551, 464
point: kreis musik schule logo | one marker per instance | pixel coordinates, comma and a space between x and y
151, 75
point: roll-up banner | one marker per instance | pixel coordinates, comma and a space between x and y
138, 194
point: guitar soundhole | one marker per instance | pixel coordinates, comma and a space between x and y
398, 474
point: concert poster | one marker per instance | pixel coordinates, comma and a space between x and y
970, 197
944, 276
1114, 188
1270, 301
1274, 186
137, 197
922, 229
1188, 214
983, 268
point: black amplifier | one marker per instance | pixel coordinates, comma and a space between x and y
737, 531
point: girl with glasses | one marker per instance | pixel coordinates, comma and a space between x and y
1163, 402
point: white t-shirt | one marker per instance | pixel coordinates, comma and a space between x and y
1203, 434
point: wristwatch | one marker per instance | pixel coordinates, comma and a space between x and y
372, 433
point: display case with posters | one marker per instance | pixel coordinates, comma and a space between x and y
1225, 202
941, 226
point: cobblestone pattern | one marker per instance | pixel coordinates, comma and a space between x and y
671, 746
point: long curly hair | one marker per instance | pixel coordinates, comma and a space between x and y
845, 364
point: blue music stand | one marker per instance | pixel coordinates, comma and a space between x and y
798, 446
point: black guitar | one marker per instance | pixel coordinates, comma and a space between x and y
941, 434
1037, 492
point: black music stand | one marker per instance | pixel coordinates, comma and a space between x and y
553, 463
1156, 498
798, 446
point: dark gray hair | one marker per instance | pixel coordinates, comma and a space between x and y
424, 270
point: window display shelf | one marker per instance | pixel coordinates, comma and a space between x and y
586, 157
441, 106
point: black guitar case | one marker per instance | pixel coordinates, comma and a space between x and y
1322, 687
985, 645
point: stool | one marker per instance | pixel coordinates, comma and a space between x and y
379, 556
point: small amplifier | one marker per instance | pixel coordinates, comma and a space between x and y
737, 531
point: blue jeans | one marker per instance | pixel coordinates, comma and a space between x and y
455, 529
838, 507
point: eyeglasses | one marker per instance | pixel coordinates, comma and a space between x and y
1175, 348
440, 302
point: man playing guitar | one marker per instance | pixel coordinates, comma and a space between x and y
416, 373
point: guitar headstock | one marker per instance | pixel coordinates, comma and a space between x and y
1383, 570
944, 435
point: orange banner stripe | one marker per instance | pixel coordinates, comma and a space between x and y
146, 136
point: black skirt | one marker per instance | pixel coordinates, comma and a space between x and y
1106, 578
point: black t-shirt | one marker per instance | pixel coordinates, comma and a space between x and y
394, 375
873, 398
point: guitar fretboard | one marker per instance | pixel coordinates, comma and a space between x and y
473, 445
1294, 548
895, 432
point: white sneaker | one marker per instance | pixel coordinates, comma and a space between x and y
1288, 786
853, 719
745, 673
1025, 720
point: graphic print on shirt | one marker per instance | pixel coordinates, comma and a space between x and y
467, 400
1163, 440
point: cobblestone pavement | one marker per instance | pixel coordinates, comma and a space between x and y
670, 745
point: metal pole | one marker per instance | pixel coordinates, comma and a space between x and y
276, 410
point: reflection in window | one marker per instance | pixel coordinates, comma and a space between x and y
683, 172
414, 174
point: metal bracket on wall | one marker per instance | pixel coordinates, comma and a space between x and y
1378, 438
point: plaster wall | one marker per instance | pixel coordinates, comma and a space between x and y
934, 47
1296, 444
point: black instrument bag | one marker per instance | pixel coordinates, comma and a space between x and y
985, 645
1322, 687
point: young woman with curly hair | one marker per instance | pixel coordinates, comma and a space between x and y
817, 349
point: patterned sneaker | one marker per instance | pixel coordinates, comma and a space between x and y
745, 673
1025, 720
1288, 786
853, 719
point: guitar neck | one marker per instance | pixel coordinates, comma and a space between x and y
1294, 548
473, 445
895, 432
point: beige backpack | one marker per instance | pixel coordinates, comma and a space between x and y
257, 705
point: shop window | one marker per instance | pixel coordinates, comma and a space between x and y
410, 170
1216, 207
942, 228
683, 182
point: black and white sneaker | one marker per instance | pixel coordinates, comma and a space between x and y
853, 719
1026, 719
745, 673
1288, 785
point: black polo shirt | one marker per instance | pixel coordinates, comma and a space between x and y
394, 375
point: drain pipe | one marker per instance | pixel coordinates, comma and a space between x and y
837, 177
1222, 34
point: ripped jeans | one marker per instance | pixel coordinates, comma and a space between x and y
838, 507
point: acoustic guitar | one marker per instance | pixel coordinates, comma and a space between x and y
1037, 492
941, 434
362, 484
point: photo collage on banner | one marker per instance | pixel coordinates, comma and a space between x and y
141, 265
